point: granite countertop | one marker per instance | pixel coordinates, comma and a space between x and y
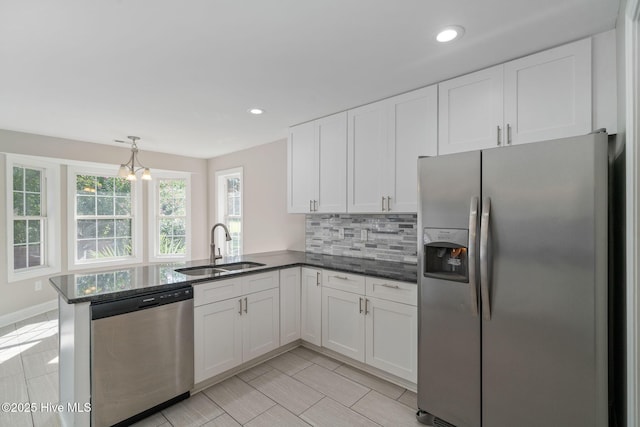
103, 286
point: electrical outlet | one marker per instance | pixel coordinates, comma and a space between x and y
340, 233
364, 235
38, 285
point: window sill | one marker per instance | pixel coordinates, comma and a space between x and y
38, 272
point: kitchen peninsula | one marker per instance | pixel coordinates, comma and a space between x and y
292, 292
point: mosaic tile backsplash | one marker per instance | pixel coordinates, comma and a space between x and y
388, 237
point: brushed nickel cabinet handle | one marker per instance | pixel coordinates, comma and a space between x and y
341, 277
498, 134
245, 305
310, 205
366, 306
508, 134
382, 204
317, 278
390, 286
360, 305
240, 311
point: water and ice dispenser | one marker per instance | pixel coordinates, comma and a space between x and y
445, 254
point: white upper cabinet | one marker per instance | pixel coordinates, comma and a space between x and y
470, 111
413, 132
548, 95
331, 140
385, 140
301, 164
367, 149
317, 166
542, 96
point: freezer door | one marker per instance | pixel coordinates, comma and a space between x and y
449, 326
544, 343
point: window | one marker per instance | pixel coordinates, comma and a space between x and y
104, 224
169, 204
229, 201
32, 210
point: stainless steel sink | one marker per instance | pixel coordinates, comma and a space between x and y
200, 271
238, 266
212, 270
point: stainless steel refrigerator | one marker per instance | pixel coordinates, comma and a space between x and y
513, 286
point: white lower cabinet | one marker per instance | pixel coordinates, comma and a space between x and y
232, 331
217, 332
311, 303
343, 323
379, 332
391, 337
260, 324
371, 320
290, 299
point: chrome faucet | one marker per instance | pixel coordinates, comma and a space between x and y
213, 257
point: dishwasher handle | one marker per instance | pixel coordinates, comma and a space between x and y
102, 310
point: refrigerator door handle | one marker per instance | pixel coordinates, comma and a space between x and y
484, 258
473, 239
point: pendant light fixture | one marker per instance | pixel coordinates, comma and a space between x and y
128, 170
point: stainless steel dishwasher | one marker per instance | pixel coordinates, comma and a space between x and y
141, 355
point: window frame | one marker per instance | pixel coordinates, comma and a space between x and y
220, 205
50, 230
137, 229
154, 223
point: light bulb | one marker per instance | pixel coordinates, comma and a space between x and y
131, 176
123, 171
146, 175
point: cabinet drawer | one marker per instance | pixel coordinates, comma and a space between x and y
392, 290
343, 281
260, 282
208, 292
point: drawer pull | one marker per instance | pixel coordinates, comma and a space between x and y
341, 277
390, 286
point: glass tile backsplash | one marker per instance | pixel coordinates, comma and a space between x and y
388, 237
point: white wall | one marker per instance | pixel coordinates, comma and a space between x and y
21, 295
266, 224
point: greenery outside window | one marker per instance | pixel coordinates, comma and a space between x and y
104, 225
169, 204
229, 208
31, 212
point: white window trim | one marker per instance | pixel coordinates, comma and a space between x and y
154, 255
136, 226
52, 224
220, 207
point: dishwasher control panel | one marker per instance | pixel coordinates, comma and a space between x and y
127, 305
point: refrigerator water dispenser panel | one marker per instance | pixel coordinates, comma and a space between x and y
445, 254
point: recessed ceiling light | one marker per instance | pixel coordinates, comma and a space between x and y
450, 33
256, 111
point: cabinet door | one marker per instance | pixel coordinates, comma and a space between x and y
548, 95
367, 149
260, 323
310, 311
331, 137
217, 332
343, 323
302, 174
470, 111
289, 305
392, 337
413, 132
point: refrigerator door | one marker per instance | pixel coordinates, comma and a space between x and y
449, 327
544, 343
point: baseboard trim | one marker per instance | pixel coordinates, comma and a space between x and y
25, 313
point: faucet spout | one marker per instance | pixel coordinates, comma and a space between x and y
212, 256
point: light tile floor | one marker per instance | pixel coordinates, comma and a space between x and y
297, 388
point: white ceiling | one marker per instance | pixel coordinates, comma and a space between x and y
182, 73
